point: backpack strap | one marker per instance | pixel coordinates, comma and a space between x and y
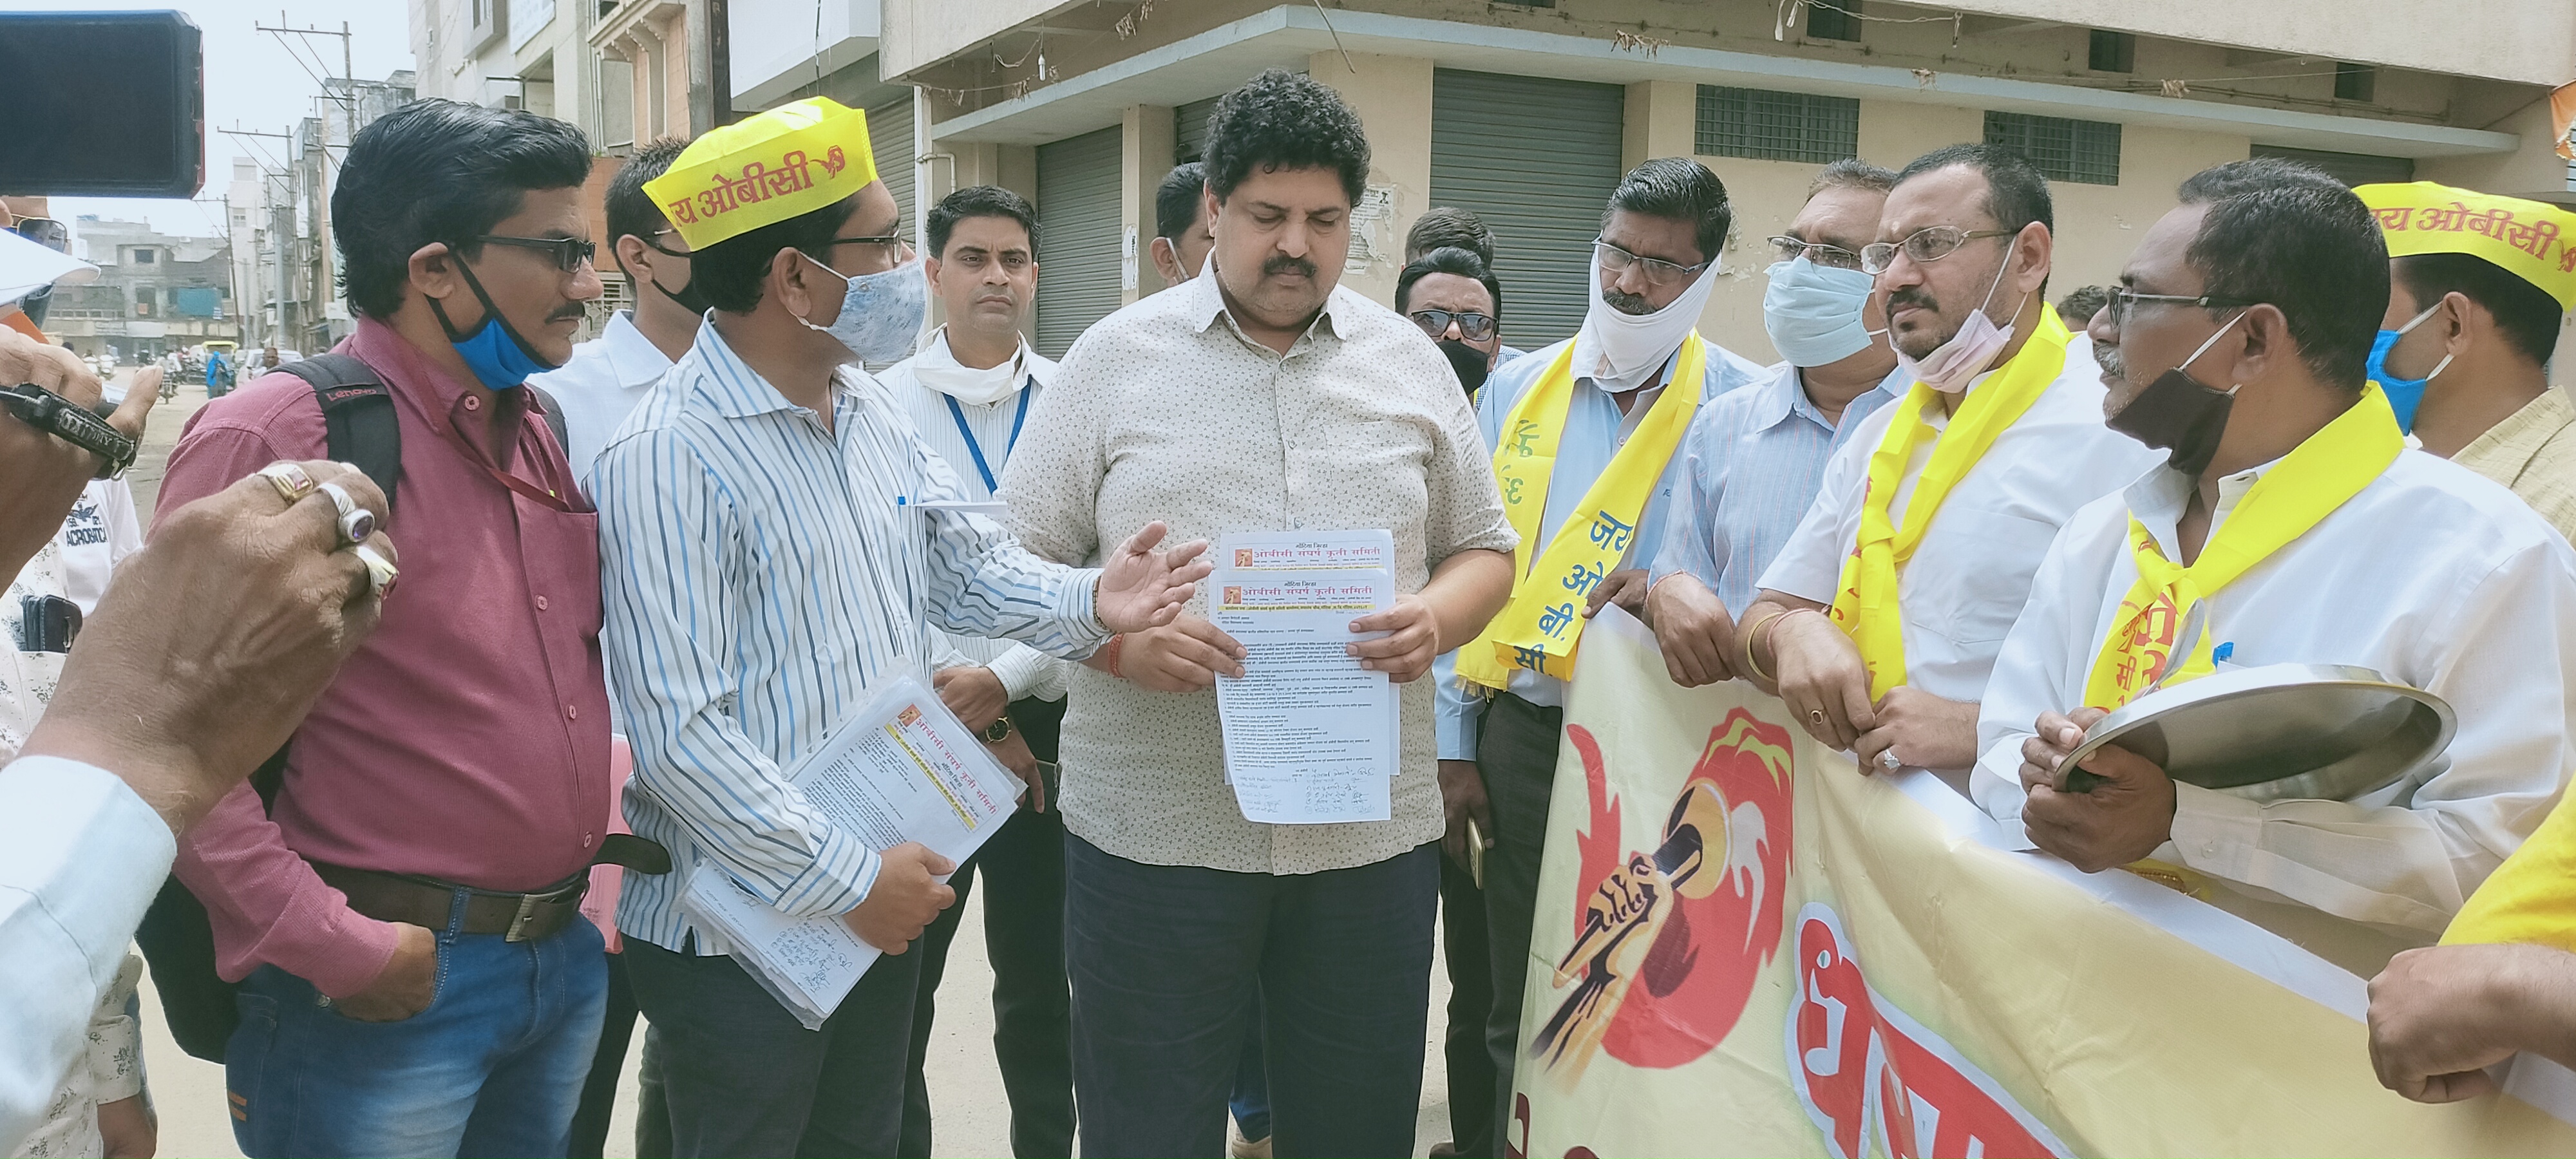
357, 417
554, 414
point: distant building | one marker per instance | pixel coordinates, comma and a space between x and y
155, 292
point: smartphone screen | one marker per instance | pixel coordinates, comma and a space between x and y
102, 104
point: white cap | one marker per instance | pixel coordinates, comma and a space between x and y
26, 267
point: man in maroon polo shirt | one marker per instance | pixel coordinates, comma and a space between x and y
416, 979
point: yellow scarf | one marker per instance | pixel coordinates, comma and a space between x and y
1539, 628
1865, 600
2332, 466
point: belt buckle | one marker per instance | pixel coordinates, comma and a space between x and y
518, 931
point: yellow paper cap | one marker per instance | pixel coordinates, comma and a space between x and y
764, 169
2528, 239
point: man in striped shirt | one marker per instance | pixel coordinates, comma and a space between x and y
778, 540
969, 392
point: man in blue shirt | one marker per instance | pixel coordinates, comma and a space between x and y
1653, 267
1752, 461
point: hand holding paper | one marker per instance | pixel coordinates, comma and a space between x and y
908, 895
1411, 642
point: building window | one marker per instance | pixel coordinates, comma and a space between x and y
1777, 126
2356, 82
143, 257
1839, 20
2112, 52
2087, 152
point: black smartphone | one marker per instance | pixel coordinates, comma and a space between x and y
47, 624
103, 104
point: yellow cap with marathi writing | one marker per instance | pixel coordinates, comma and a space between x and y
2529, 239
764, 169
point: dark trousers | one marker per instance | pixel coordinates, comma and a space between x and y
1023, 870
1165, 959
1517, 755
599, 1091
1471, 1001
742, 1077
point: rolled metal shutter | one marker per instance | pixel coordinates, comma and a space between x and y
890, 140
1077, 236
2349, 168
1189, 130
1536, 159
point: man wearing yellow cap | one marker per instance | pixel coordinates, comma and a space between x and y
2480, 284
2290, 525
777, 541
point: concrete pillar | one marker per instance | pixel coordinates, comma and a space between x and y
1145, 154
1392, 95
1662, 120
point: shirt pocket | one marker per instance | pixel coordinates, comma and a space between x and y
1973, 590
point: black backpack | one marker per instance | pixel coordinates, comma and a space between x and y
176, 939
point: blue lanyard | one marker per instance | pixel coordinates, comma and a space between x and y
976, 449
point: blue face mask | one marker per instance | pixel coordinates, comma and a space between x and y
880, 313
499, 358
1813, 312
2404, 394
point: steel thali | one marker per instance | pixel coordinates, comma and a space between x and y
2281, 732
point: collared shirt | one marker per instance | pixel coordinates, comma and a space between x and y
1750, 467
467, 739
1164, 410
2431, 576
994, 428
764, 574
1595, 429
2533, 451
81, 856
607, 376
1971, 572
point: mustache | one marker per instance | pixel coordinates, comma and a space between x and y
1627, 303
572, 312
2107, 356
1912, 296
1284, 264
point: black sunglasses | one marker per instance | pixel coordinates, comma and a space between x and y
570, 253
1472, 327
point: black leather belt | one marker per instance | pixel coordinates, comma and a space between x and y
518, 917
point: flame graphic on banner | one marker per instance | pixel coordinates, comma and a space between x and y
1668, 942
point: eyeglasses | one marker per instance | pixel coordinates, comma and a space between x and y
569, 253
1929, 244
1821, 253
2125, 300
658, 247
889, 246
1658, 271
46, 232
1472, 327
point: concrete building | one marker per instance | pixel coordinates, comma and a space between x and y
1527, 111
155, 292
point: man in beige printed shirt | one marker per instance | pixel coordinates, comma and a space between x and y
1257, 397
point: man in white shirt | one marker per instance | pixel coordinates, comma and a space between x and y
2293, 511
101, 530
609, 374
1879, 621
1181, 237
969, 392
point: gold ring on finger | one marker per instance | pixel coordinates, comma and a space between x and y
1817, 715
290, 481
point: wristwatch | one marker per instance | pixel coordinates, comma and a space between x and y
53, 414
998, 731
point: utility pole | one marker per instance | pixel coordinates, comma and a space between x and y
347, 68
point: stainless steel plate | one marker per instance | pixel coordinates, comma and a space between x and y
2283, 731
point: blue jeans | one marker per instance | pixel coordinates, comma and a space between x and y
1165, 961
492, 1066
1251, 1099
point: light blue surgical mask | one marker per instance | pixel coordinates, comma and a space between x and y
880, 313
499, 358
1813, 312
2404, 394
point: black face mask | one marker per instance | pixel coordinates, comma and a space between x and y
1469, 362
689, 296
2178, 414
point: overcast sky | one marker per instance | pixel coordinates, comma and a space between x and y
252, 83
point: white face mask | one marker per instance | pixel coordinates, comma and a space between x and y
937, 367
880, 313
1636, 344
1955, 363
